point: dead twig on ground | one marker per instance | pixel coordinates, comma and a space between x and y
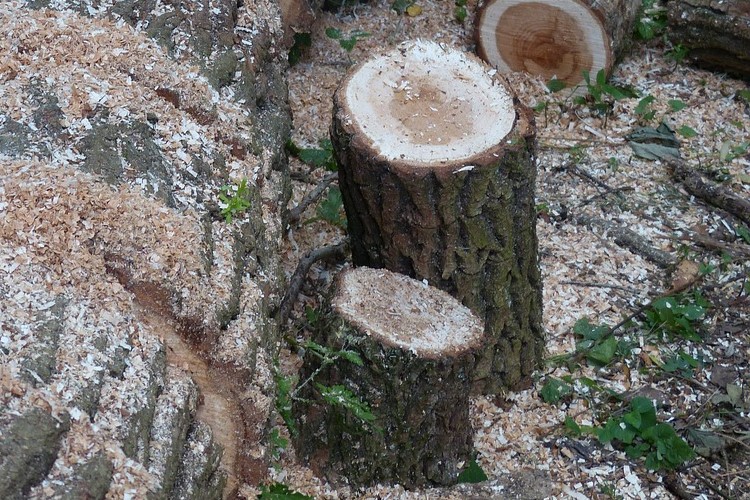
296, 213
338, 251
630, 240
711, 193
600, 285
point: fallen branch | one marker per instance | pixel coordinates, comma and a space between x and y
630, 240
600, 285
338, 251
713, 194
296, 213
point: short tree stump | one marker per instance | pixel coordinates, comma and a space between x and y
415, 343
437, 174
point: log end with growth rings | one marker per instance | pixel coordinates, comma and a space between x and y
426, 105
560, 39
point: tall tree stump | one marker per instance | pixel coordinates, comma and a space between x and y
555, 39
437, 175
716, 34
416, 345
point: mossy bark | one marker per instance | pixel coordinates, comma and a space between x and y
421, 435
468, 231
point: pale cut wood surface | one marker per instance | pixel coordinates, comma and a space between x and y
555, 39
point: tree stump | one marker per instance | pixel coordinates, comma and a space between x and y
716, 34
416, 345
555, 39
437, 175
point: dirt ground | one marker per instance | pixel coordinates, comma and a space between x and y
590, 187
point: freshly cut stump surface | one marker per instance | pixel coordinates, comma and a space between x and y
437, 176
416, 344
555, 39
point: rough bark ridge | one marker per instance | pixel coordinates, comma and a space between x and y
422, 434
717, 33
470, 233
558, 39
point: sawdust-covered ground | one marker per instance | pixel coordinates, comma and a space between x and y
590, 184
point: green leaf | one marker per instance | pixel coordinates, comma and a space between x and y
572, 426
329, 209
460, 13
687, 132
676, 104
472, 474
743, 233
279, 491
601, 77
554, 390
644, 107
555, 85
351, 356
589, 331
333, 33
604, 351
302, 41
338, 395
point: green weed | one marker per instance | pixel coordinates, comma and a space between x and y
234, 199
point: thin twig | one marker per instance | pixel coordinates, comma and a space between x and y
711, 486
298, 278
600, 285
296, 213
607, 192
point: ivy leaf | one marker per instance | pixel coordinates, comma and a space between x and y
351, 356
333, 33
330, 209
687, 132
339, 395
472, 474
554, 390
279, 491
555, 85
676, 104
603, 352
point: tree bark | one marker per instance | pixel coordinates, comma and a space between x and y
437, 175
717, 34
555, 39
416, 344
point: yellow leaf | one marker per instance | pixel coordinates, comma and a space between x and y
413, 10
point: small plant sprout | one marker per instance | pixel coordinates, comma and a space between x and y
234, 199
347, 42
460, 12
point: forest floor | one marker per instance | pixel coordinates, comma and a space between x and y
619, 237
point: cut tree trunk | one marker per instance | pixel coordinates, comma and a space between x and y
415, 343
717, 34
555, 39
437, 175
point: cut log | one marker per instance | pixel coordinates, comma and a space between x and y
555, 39
716, 34
416, 345
437, 175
